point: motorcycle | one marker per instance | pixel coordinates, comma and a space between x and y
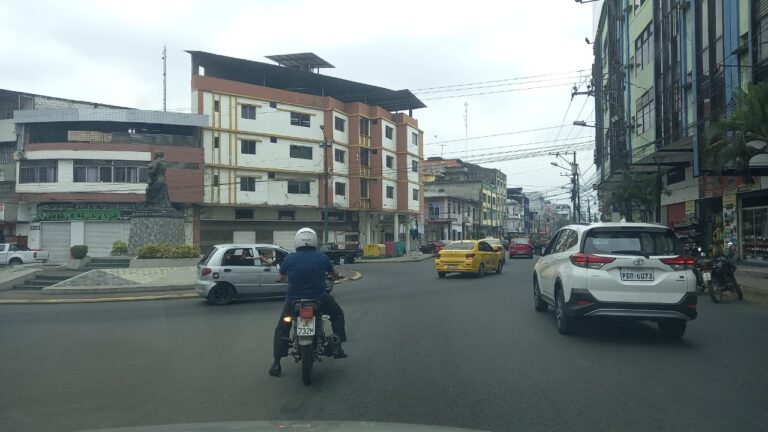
703, 271
724, 283
309, 341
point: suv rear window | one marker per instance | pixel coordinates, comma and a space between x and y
629, 241
521, 241
459, 246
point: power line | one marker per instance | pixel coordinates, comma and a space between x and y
501, 80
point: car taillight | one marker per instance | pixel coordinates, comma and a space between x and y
469, 256
306, 313
679, 263
590, 261
205, 271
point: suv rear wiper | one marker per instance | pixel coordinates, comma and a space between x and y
631, 252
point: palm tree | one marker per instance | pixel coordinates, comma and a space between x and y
732, 142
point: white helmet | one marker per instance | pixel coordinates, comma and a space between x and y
305, 237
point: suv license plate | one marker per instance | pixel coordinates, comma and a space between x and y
636, 275
305, 327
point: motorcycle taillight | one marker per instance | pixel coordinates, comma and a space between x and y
306, 312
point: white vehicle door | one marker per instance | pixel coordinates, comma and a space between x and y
546, 267
3, 253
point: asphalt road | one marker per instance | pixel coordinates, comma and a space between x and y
461, 351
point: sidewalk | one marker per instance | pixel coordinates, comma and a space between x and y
405, 258
753, 280
122, 285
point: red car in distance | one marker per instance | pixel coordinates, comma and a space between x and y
520, 247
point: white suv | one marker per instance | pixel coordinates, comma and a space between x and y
627, 270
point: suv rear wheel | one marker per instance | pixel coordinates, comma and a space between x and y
673, 329
564, 323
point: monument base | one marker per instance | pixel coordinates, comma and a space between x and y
155, 226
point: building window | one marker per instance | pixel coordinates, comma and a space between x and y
248, 112
248, 184
644, 117
414, 138
339, 124
248, 147
215, 180
216, 107
675, 175
390, 161
270, 175
39, 171
273, 104
298, 187
273, 139
301, 152
390, 192
363, 188
644, 48
415, 195
388, 131
339, 155
365, 127
6, 153
216, 141
299, 119
341, 188
104, 171
415, 166
286, 215
243, 213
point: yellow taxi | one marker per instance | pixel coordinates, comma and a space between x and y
468, 256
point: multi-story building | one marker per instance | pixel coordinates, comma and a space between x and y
11, 101
663, 72
490, 192
283, 140
452, 210
81, 172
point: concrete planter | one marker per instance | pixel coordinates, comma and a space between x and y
77, 264
157, 263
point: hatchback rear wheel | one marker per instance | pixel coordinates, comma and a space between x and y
221, 294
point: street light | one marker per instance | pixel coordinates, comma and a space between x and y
582, 123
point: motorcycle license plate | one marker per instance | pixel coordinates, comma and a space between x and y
707, 276
305, 327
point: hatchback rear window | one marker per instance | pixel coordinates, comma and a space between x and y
521, 241
207, 256
624, 241
459, 246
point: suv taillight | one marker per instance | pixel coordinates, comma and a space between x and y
679, 263
306, 312
205, 271
590, 261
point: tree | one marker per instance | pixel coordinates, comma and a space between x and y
732, 142
635, 190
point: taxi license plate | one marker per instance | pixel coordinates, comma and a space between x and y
452, 266
636, 275
305, 327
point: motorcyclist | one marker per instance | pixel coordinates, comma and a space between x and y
305, 271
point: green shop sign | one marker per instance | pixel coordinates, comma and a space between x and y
84, 211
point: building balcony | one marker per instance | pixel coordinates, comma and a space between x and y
365, 203
365, 171
365, 141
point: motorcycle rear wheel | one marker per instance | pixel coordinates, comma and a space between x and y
307, 358
716, 291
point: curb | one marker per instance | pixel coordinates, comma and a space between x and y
354, 277
383, 260
115, 289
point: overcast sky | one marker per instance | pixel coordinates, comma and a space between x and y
526, 55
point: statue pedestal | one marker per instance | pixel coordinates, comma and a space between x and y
155, 226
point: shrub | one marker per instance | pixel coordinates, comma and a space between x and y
119, 247
165, 250
78, 251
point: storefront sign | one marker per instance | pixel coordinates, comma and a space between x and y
730, 229
2, 211
690, 208
84, 211
714, 186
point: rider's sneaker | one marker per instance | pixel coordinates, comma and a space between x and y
339, 353
275, 370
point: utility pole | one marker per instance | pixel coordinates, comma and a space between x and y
589, 211
165, 57
466, 128
325, 146
577, 196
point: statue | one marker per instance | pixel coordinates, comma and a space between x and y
157, 187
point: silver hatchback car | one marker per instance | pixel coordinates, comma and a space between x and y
236, 271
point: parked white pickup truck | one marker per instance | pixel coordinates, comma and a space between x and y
12, 254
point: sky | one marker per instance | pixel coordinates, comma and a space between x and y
513, 63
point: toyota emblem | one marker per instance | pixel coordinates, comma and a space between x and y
638, 261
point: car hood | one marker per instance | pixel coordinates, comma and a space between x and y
287, 426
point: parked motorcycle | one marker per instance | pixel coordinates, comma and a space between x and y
308, 337
703, 271
724, 283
